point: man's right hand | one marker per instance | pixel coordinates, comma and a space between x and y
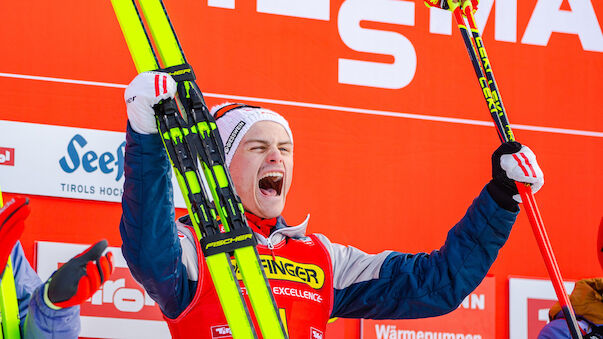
145, 91
12, 217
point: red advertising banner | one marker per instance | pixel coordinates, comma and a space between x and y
119, 309
529, 304
392, 136
121, 297
538, 315
474, 319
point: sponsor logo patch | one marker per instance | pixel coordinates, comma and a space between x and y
233, 136
315, 334
305, 240
297, 293
285, 269
222, 331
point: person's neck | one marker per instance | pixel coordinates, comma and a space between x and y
260, 225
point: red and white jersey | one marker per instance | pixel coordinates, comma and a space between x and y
300, 274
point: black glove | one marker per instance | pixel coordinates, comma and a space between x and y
79, 278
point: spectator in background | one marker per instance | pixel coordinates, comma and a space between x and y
587, 301
50, 309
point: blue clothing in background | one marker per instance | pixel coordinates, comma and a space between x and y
37, 319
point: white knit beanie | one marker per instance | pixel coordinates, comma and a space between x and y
234, 120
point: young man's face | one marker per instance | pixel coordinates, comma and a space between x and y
262, 169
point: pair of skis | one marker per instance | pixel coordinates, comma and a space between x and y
483, 70
194, 147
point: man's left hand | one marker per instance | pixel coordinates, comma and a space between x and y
511, 163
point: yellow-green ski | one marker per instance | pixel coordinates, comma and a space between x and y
9, 305
197, 138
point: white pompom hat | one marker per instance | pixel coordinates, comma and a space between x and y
234, 125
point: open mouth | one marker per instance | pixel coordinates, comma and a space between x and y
271, 184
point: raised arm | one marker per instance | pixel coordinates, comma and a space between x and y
150, 241
401, 285
394, 285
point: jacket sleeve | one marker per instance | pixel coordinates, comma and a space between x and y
557, 329
148, 230
393, 285
37, 319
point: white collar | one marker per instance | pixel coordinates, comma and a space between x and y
282, 231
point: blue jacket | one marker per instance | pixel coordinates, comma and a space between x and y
37, 319
400, 285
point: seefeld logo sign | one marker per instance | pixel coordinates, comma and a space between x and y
90, 161
65, 162
91, 165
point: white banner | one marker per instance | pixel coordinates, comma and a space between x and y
119, 309
529, 304
64, 162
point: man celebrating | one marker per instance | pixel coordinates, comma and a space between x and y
312, 278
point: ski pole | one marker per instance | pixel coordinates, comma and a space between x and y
483, 70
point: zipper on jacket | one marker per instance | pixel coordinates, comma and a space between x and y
271, 248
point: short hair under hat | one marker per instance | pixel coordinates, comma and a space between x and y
234, 120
